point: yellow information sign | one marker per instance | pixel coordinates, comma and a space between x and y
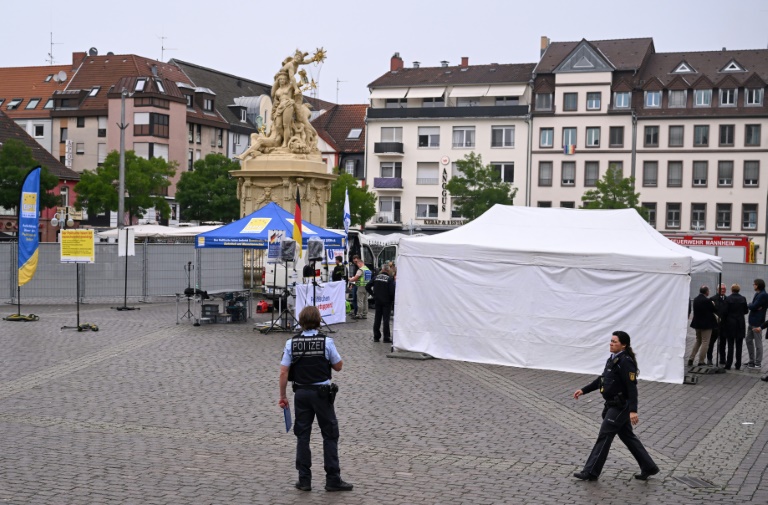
77, 246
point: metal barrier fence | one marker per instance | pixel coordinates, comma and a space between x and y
156, 270
739, 273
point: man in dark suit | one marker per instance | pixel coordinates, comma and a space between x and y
703, 322
734, 326
721, 308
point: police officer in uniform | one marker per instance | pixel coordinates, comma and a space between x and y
618, 385
307, 361
383, 290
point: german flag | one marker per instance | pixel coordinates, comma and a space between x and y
297, 222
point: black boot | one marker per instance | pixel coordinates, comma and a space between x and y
338, 485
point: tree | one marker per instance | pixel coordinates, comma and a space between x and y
614, 191
15, 162
362, 204
477, 188
145, 183
209, 192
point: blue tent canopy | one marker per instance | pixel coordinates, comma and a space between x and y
252, 231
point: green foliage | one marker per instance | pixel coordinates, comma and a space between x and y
477, 188
145, 181
209, 192
362, 204
614, 191
15, 162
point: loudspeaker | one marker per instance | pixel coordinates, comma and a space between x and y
288, 250
315, 249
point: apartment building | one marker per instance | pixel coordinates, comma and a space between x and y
422, 120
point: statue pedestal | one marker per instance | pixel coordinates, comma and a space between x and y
275, 177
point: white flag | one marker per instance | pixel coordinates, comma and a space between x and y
347, 215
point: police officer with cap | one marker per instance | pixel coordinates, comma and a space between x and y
618, 385
307, 361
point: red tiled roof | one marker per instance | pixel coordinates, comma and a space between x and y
28, 83
471, 74
10, 130
623, 54
334, 126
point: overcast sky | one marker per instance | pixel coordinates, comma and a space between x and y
250, 38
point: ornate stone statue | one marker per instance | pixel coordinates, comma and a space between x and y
291, 131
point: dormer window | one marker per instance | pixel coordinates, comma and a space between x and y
243, 115
140, 85
621, 99
160, 86
702, 97
208, 104
94, 91
354, 133
14, 104
677, 98
754, 96
652, 99
32, 103
189, 100
728, 97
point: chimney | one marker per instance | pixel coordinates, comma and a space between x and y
444, 63
544, 45
416, 64
464, 61
77, 58
396, 63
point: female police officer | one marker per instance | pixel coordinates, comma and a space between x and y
618, 385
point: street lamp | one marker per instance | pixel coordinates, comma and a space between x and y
62, 218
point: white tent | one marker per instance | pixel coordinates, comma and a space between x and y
158, 231
545, 288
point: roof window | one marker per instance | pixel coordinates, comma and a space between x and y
14, 104
140, 83
354, 133
32, 103
94, 91
160, 86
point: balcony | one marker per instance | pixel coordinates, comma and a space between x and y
449, 112
388, 182
388, 148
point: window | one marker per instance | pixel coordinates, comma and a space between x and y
427, 173
728, 97
81, 122
652, 99
63, 135
140, 83
354, 133
616, 136
502, 136
546, 137
14, 104
749, 216
673, 215
569, 137
593, 137
426, 207
723, 216
219, 137
727, 132
751, 174
593, 101
437, 101
568, 205
64, 196
699, 216
150, 123
39, 130
395, 103
191, 160
700, 136
48, 104
702, 97
569, 173
94, 91
208, 104
651, 136
429, 136
32, 103
570, 101
651, 208
591, 173
543, 101
618, 167
544, 204
391, 169
102, 130
101, 154
189, 100
80, 148
468, 101
198, 134
700, 169
391, 134
390, 205
160, 86
754, 96
678, 99
545, 173
752, 135
675, 174
676, 135
507, 100
190, 132
505, 171
621, 99
349, 167
724, 174
650, 174
463, 136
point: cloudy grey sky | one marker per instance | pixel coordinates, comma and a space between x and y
249, 38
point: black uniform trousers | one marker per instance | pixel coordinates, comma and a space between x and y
382, 314
718, 336
308, 404
616, 422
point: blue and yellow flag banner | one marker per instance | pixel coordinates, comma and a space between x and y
297, 236
29, 240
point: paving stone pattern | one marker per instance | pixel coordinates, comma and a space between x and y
146, 411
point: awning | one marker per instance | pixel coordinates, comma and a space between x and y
389, 93
429, 92
507, 90
465, 91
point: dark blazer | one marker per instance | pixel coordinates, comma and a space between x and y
734, 319
757, 308
721, 308
703, 313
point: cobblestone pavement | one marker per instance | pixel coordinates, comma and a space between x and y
146, 411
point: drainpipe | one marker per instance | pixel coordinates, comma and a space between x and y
634, 149
528, 162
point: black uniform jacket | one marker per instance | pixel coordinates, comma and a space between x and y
619, 380
382, 288
734, 319
703, 313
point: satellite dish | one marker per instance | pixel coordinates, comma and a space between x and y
61, 76
93, 52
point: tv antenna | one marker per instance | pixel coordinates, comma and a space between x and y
163, 49
50, 58
337, 89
